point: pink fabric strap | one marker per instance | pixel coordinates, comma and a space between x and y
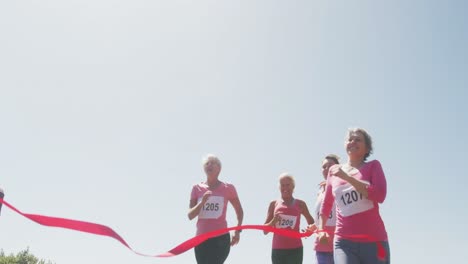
102, 230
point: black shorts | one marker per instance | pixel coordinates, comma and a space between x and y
287, 256
214, 250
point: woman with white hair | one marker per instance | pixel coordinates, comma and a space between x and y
286, 212
208, 202
357, 188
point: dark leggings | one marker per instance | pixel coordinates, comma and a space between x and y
287, 256
214, 250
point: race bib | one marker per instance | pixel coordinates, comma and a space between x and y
213, 208
349, 201
286, 221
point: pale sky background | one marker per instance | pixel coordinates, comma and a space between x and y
107, 108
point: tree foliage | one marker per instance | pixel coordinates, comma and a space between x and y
22, 257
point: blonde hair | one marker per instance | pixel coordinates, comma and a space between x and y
286, 175
211, 157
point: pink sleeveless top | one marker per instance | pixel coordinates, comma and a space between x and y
213, 214
291, 219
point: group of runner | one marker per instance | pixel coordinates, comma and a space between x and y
346, 218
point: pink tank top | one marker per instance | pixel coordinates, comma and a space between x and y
213, 214
291, 219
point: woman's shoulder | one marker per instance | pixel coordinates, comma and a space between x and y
300, 202
227, 185
374, 164
371, 168
200, 186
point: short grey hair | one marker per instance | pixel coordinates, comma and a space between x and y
367, 139
287, 175
211, 157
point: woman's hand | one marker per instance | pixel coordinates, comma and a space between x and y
195, 207
323, 237
235, 238
275, 220
311, 228
337, 171
205, 197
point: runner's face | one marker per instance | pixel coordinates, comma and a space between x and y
286, 187
356, 145
326, 164
212, 168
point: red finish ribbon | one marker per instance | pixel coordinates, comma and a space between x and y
200, 238
71, 224
102, 230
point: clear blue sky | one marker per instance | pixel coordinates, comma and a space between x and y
107, 107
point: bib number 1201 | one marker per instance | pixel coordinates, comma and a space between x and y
351, 197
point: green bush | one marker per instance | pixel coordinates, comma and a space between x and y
23, 257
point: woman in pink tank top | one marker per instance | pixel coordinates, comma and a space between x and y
208, 202
286, 213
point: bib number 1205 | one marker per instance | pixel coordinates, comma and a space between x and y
211, 207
